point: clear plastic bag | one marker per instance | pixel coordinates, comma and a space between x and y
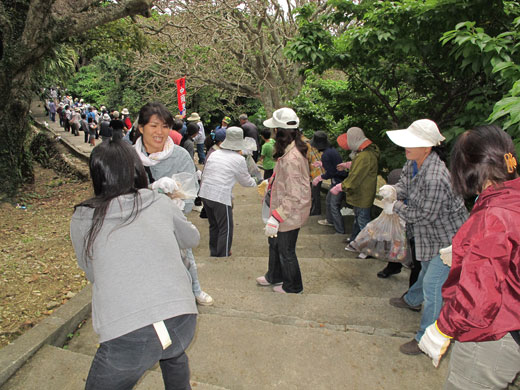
253, 169
384, 238
187, 183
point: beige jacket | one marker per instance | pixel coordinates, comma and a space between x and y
290, 190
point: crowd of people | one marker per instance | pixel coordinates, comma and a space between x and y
464, 266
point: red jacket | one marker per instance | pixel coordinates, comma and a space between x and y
482, 292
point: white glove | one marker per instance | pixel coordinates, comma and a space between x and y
199, 174
433, 343
179, 203
446, 255
388, 192
388, 206
271, 227
165, 184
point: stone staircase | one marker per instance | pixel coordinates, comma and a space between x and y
341, 333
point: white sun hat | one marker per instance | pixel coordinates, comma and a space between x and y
284, 118
421, 133
234, 139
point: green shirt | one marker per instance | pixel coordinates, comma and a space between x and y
267, 153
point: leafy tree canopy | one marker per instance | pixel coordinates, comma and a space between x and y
393, 51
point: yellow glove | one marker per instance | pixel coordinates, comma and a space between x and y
262, 188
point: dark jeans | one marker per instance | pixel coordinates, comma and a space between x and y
268, 173
220, 218
120, 362
415, 268
316, 199
283, 263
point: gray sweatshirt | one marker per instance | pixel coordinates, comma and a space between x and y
136, 270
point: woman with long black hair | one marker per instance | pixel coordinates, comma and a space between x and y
290, 203
127, 239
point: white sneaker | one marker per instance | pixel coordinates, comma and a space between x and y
350, 248
204, 299
361, 256
198, 209
262, 281
324, 222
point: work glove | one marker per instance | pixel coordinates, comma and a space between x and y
446, 255
262, 187
165, 184
179, 203
317, 180
388, 192
336, 189
388, 206
271, 227
344, 166
317, 164
434, 343
199, 174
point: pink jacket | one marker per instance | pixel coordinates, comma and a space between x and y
290, 190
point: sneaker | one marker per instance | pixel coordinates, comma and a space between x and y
262, 281
401, 303
204, 299
324, 222
279, 289
198, 209
362, 256
350, 248
410, 348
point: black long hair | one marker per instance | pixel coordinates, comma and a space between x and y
284, 137
479, 156
115, 169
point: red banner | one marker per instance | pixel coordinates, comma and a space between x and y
181, 95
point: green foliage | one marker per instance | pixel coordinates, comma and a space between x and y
498, 56
398, 69
334, 104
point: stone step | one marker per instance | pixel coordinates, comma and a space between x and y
60, 369
234, 352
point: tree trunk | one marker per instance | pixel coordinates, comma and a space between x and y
28, 31
15, 162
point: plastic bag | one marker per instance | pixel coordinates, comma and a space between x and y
253, 169
250, 146
384, 238
187, 183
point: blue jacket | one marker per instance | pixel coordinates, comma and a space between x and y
330, 159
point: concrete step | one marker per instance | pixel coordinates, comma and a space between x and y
234, 352
53, 368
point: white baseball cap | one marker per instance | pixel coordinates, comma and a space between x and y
284, 118
421, 133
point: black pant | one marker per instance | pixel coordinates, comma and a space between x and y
316, 199
416, 265
283, 263
268, 173
220, 218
